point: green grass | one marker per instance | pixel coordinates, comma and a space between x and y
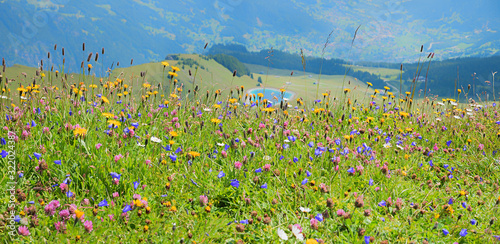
362, 171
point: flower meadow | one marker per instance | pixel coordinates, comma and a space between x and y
105, 161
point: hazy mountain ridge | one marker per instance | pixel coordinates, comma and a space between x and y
147, 30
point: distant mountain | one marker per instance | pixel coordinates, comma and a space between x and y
148, 30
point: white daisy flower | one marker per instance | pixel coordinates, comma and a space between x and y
297, 233
387, 145
155, 139
282, 235
305, 210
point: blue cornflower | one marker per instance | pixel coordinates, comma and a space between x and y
173, 157
445, 232
57, 162
308, 173
103, 203
4, 153
221, 174
136, 184
235, 183
319, 217
382, 203
264, 186
126, 208
305, 181
367, 239
259, 170
351, 170
463, 232
370, 182
69, 194
37, 155
473, 222
115, 175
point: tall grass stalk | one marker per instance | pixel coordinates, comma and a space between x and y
417, 75
322, 59
303, 60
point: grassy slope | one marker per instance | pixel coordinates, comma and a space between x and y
384, 73
214, 76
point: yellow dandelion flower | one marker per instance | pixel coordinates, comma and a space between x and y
78, 214
80, 131
115, 123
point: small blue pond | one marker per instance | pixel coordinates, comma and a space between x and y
270, 93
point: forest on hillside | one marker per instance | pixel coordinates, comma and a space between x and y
282, 60
443, 75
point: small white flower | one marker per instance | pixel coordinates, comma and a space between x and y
470, 114
438, 119
207, 109
286, 140
456, 117
267, 158
220, 144
440, 103
139, 144
282, 235
387, 145
24, 221
3, 97
155, 139
144, 124
305, 210
400, 147
285, 99
454, 103
296, 232
469, 110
